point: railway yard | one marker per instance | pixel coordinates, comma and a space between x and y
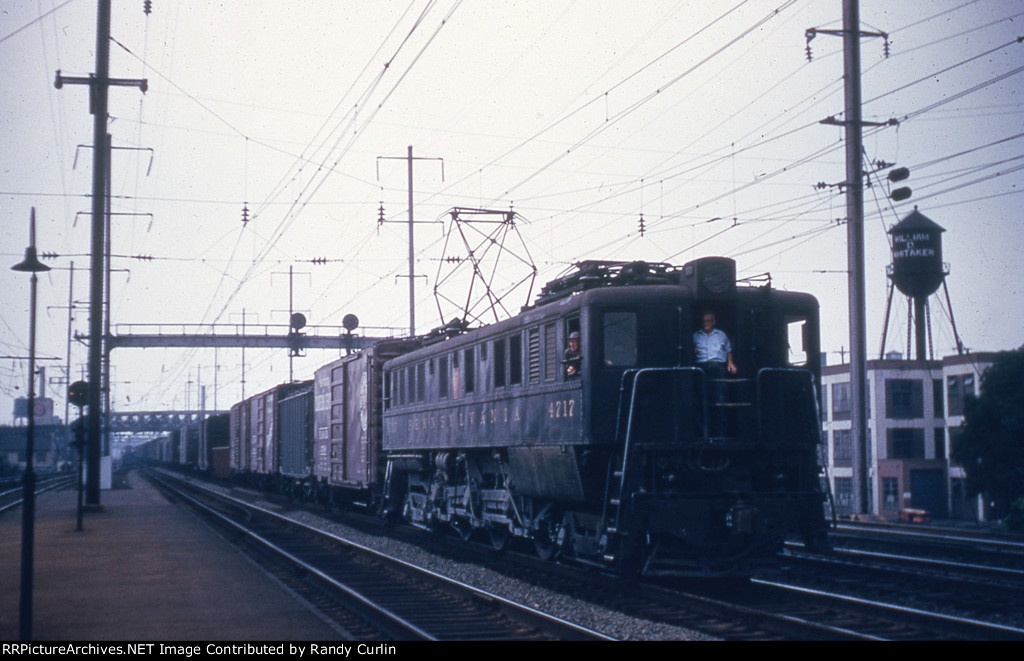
321, 575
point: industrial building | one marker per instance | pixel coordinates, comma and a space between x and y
914, 409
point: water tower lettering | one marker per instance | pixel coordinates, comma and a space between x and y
905, 245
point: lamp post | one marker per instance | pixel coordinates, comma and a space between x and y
30, 264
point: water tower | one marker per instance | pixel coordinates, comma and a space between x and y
917, 271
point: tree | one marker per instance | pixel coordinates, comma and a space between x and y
991, 447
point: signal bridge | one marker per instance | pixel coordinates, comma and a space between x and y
251, 336
155, 421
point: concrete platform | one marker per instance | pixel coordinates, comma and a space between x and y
142, 569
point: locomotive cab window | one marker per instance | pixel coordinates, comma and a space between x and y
620, 339
572, 357
796, 335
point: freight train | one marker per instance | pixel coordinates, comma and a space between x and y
623, 453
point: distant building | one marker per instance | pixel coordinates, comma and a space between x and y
914, 410
50, 447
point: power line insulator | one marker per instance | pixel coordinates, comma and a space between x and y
245, 213
147, 7
643, 228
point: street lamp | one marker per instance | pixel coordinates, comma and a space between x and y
30, 264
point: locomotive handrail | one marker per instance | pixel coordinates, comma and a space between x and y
629, 379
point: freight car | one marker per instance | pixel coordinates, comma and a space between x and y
625, 455
348, 464
258, 444
213, 444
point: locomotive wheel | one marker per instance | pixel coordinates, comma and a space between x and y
499, 536
569, 534
545, 538
463, 529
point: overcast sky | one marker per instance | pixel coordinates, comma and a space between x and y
703, 117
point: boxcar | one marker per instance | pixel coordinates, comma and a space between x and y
254, 434
188, 448
348, 463
294, 437
213, 434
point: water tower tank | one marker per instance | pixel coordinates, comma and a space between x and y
917, 268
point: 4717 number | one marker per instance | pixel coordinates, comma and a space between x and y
562, 408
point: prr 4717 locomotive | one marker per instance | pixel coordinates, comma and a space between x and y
621, 450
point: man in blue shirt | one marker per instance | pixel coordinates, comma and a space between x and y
713, 349
713, 353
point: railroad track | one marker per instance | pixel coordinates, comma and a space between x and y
976, 593
761, 609
369, 595
883, 619
954, 545
11, 496
776, 608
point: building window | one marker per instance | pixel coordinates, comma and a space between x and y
959, 388
842, 448
844, 492
840, 401
905, 443
955, 433
890, 493
904, 399
937, 399
940, 443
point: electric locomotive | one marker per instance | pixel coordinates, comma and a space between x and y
624, 454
